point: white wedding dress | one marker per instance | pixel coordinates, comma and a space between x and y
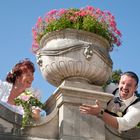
5, 89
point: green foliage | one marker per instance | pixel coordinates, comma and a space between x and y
115, 78
116, 74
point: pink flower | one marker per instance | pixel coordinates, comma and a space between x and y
83, 13
90, 8
61, 12
39, 20
52, 12
113, 24
118, 43
98, 11
118, 32
25, 97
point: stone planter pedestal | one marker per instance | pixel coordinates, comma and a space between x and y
72, 124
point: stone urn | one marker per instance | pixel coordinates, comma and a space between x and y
74, 55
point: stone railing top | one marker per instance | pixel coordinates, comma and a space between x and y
10, 116
15, 118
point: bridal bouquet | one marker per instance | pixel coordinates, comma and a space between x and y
29, 101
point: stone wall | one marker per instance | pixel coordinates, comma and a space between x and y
64, 120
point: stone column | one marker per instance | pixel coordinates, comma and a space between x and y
72, 124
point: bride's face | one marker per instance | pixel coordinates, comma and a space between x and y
25, 80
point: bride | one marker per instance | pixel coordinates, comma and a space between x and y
17, 81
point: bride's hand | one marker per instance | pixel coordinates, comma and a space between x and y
36, 114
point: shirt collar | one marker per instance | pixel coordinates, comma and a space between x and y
129, 100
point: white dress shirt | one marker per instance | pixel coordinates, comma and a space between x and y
132, 116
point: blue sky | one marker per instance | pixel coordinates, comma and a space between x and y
17, 17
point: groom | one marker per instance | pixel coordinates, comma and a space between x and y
123, 111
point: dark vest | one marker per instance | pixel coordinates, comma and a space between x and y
132, 134
116, 107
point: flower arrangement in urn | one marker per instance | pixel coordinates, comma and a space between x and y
89, 19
